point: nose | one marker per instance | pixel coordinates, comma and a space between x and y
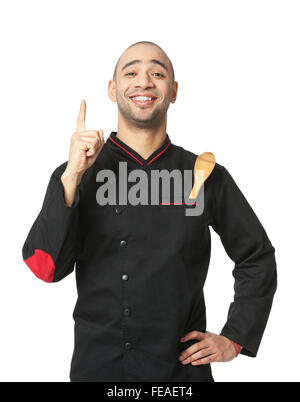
144, 81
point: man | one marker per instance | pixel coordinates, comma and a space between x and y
141, 267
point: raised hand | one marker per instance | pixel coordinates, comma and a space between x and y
85, 145
84, 150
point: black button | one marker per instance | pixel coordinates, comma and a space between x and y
124, 277
128, 345
126, 311
118, 210
123, 243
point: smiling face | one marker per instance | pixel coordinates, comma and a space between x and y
143, 87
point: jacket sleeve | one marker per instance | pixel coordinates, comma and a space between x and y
52, 243
255, 273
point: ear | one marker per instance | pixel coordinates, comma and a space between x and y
205, 164
174, 92
112, 90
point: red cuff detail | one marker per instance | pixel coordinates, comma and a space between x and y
42, 265
237, 347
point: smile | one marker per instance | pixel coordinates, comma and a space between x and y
143, 100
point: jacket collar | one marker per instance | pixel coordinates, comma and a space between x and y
119, 146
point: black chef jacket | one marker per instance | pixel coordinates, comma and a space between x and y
140, 269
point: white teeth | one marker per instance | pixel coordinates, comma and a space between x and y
142, 98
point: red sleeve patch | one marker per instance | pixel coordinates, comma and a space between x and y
42, 265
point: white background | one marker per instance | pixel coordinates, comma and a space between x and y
237, 64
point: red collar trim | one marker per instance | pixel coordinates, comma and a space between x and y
134, 155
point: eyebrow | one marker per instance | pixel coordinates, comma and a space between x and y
153, 61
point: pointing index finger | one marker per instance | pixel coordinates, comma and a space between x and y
81, 117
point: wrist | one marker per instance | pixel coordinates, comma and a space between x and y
237, 348
71, 177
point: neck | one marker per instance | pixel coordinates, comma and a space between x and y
143, 140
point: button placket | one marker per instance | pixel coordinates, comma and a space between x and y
126, 311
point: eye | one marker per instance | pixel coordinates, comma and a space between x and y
154, 73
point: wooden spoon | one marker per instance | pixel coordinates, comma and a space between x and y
205, 162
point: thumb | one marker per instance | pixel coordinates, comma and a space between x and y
91, 151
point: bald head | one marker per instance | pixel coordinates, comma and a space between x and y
169, 65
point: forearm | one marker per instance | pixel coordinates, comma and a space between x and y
51, 244
70, 183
